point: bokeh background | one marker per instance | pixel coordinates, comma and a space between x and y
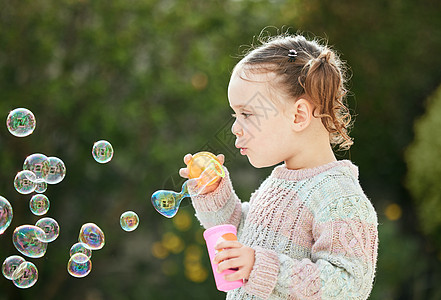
150, 76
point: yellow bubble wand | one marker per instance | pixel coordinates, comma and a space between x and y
204, 170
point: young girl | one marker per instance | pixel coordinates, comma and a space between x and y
309, 231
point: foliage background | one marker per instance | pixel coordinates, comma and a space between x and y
150, 76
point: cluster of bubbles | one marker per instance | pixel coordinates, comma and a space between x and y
31, 241
38, 171
91, 237
22, 273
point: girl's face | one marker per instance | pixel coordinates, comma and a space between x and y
262, 129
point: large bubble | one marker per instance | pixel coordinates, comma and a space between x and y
25, 275
39, 165
27, 239
10, 265
21, 122
6, 214
79, 265
57, 170
80, 248
92, 236
50, 228
39, 204
24, 182
129, 221
102, 151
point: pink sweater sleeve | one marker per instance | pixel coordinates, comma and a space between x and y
222, 206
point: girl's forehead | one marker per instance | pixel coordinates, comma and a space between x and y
254, 73
247, 85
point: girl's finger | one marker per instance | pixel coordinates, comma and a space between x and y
187, 158
225, 255
229, 264
183, 172
227, 244
221, 158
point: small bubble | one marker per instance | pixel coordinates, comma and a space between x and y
129, 221
24, 182
6, 214
79, 265
92, 236
25, 275
50, 228
41, 187
21, 122
57, 170
80, 248
102, 151
39, 165
39, 204
10, 265
27, 239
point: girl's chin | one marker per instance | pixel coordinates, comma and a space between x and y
260, 164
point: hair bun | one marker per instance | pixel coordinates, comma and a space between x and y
325, 56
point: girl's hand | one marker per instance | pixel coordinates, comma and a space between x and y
183, 172
234, 255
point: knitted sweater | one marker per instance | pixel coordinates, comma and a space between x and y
314, 233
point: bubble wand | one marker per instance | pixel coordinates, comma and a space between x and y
204, 170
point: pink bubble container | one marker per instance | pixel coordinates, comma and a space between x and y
212, 236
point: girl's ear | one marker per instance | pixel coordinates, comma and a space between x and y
302, 114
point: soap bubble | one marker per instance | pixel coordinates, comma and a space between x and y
25, 275
41, 187
79, 265
92, 236
21, 122
24, 182
39, 165
10, 265
27, 239
6, 214
129, 221
102, 151
57, 170
50, 228
80, 248
39, 204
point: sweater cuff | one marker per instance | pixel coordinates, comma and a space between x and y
263, 277
215, 200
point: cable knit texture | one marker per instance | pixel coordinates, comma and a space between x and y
314, 233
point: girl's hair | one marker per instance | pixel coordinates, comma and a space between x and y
312, 69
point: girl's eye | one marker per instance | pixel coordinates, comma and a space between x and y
245, 115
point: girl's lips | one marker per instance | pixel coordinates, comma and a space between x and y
241, 149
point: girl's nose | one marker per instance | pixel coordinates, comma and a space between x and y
236, 129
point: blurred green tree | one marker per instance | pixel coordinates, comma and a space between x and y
424, 169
